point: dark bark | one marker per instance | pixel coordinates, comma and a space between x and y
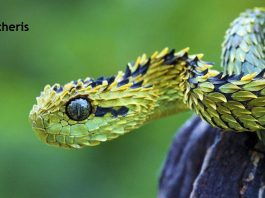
204, 162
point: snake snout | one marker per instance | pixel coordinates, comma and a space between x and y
38, 126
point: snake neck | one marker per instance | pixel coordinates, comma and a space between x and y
168, 75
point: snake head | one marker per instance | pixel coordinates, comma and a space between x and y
87, 112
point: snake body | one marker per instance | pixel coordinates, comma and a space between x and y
87, 112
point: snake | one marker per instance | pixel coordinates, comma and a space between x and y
89, 111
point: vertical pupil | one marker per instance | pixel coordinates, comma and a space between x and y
78, 109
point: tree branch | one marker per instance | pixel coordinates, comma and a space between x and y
204, 162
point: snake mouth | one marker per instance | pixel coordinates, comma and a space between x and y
56, 138
40, 133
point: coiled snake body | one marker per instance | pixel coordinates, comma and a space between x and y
87, 112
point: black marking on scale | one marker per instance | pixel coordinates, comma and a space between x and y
136, 72
123, 111
127, 72
235, 77
110, 80
93, 84
261, 74
145, 67
123, 82
137, 85
58, 89
170, 58
194, 62
102, 111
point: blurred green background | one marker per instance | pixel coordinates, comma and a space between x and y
74, 39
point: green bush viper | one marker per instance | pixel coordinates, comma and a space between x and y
87, 112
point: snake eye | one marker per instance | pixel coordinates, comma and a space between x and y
78, 109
